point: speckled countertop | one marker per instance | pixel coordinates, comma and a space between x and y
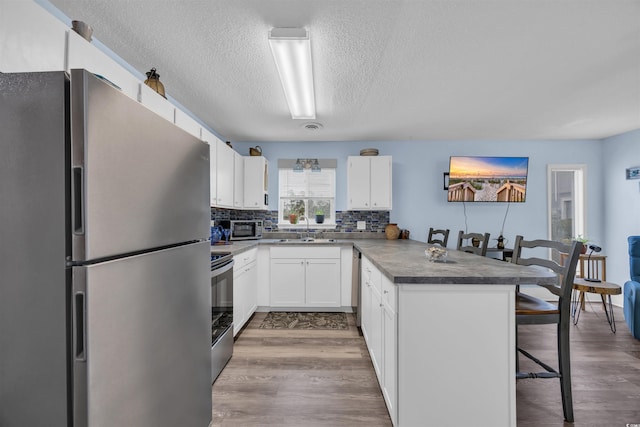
404, 261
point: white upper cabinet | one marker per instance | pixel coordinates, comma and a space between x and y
186, 122
238, 181
224, 175
82, 54
369, 183
256, 182
31, 39
213, 176
159, 105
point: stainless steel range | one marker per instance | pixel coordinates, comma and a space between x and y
221, 311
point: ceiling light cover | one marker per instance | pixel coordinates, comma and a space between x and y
291, 49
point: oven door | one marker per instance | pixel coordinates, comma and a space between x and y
221, 318
221, 300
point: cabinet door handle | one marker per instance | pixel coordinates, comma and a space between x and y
385, 292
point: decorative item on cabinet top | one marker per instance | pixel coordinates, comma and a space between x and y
83, 29
369, 152
257, 151
153, 81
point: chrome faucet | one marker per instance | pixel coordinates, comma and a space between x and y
306, 219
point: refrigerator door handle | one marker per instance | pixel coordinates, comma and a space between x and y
78, 201
79, 327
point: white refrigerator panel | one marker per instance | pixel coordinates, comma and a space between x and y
142, 339
138, 181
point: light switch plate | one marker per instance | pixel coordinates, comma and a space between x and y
362, 225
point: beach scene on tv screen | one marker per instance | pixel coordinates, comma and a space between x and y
487, 179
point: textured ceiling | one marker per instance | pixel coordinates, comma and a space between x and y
390, 69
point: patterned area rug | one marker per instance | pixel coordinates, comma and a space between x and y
295, 320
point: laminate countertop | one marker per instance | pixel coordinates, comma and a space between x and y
405, 261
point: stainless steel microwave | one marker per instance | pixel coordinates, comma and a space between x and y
243, 229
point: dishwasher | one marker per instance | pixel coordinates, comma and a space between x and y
355, 287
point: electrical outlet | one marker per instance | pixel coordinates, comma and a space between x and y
362, 225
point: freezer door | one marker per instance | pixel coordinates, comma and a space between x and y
138, 181
142, 339
33, 247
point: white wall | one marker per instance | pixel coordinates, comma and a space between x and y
621, 203
419, 200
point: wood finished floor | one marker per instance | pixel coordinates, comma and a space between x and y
325, 378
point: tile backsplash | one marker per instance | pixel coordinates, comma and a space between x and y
345, 220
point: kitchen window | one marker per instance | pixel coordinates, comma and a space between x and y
306, 191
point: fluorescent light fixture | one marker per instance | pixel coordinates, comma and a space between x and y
291, 49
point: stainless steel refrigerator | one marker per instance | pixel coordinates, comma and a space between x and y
104, 259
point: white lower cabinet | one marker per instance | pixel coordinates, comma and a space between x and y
245, 288
287, 282
305, 277
379, 328
389, 360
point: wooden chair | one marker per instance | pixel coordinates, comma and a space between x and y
534, 311
438, 237
481, 249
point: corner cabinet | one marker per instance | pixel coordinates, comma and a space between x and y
221, 167
305, 277
256, 182
369, 183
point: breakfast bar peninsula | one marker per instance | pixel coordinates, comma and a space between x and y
441, 335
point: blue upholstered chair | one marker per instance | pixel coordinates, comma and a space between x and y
632, 288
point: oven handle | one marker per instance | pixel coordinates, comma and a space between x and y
223, 269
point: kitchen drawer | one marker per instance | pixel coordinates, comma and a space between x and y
389, 293
244, 258
371, 274
326, 252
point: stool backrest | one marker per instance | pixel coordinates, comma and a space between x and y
482, 247
634, 258
565, 270
439, 236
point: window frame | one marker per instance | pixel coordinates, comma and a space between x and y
330, 220
579, 201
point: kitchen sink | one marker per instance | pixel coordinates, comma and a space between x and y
307, 240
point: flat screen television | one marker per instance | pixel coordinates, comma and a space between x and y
487, 179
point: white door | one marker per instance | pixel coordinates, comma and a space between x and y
287, 282
323, 283
358, 183
381, 182
225, 174
238, 181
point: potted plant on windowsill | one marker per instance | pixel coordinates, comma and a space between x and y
319, 217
